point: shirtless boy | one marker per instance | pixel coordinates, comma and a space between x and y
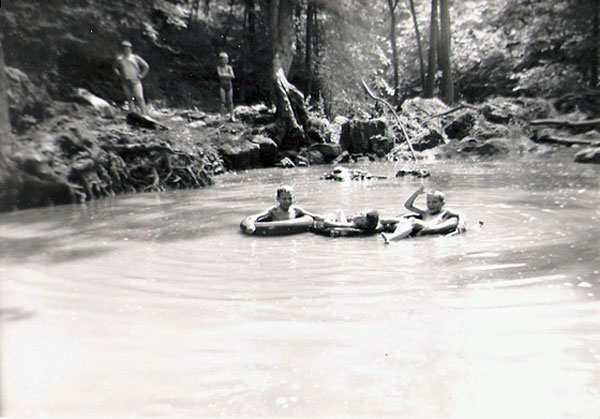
286, 210
131, 69
225, 72
436, 219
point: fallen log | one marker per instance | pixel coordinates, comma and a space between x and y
566, 123
562, 140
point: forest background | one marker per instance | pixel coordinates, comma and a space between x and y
459, 51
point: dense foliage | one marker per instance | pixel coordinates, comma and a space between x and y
499, 47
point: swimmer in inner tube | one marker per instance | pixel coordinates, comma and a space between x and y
286, 210
436, 219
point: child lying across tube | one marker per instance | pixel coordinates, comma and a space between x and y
362, 220
436, 219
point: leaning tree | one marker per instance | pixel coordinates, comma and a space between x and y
291, 114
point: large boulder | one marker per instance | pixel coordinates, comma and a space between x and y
317, 130
479, 148
267, 150
356, 134
329, 151
27, 181
429, 139
461, 126
245, 155
27, 102
380, 145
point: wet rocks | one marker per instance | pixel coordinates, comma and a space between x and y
30, 182
472, 147
588, 155
340, 173
329, 151
430, 138
418, 173
460, 127
267, 150
245, 155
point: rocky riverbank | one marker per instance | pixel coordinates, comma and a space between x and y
89, 149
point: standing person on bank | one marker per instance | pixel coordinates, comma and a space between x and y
131, 69
225, 72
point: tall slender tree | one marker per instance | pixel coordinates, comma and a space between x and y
447, 83
248, 45
433, 46
419, 46
4, 120
392, 5
311, 17
595, 41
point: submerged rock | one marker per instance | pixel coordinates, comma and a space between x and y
341, 173
419, 173
588, 155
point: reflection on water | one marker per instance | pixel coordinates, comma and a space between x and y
155, 304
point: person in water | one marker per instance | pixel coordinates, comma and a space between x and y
225, 72
285, 210
436, 219
363, 220
131, 69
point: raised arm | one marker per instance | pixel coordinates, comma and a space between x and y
409, 204
144, 67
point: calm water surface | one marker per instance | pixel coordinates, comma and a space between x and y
155, 304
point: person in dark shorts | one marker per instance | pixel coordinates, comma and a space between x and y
131, 69
225, 72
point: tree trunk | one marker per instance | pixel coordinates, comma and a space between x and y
595, 45
291, 114
308, 62
447, 84
419, 46
248, 46
392, 7
433, 46
5, 132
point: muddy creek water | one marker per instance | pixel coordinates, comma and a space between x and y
156, 304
